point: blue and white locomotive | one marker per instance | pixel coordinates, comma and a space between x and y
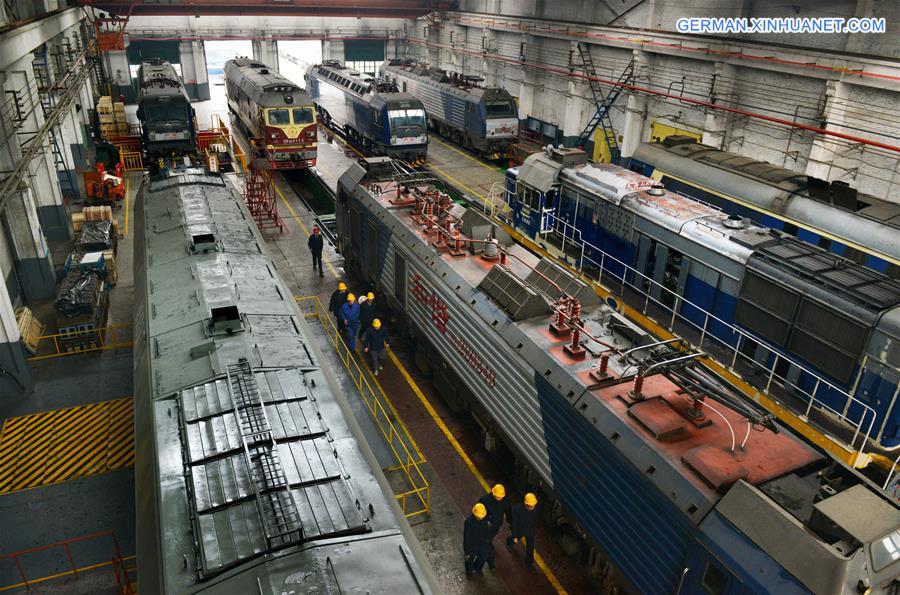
683, 488
828, 327
832, 215
482, 119
371, 112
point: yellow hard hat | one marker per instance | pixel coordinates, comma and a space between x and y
530, 500
479, 511
370, 296
499, 492
351, 297
376, 323
342, 286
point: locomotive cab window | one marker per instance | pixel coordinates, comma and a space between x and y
303, 115
278, 117
714, 580
498, 108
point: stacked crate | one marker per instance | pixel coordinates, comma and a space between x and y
112, 117
101, 213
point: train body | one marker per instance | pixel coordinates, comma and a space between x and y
279, 116
252, 475
828, 327
679, 501
862, 228
168, 124
371, 112
483, 119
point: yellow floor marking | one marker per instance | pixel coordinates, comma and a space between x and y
300, 223
464, 154
63, 444
464, 456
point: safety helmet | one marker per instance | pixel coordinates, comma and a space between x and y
362, 299
530, 500
351, 297
479, 511
499, 492
370, 296
376, 324
342, 286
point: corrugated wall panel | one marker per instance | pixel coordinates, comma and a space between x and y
645, 535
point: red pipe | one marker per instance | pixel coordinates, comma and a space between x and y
567, 72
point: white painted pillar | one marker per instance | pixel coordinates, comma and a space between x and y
717, 121
821, 155
15, 375
489, 66
529, 76
635, 109
574, 118
266, 51
193, 69
119, 74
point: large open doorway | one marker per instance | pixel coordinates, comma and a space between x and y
296, 55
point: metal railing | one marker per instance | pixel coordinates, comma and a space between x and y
728, 340
66, 559
132, 161
420, 492
113, 336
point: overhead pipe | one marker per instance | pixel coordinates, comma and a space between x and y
699, 102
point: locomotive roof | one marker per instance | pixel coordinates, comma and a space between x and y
266, 87
355, 83
871, 289
437, 78
691, 468
208, 295
157, 78
667, 154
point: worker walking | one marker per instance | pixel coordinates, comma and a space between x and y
316, 243
350, 316
367, 313
522, 520
476, 534
497, 506
338, 299
375, 340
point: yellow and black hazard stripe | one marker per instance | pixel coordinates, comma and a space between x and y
64, 444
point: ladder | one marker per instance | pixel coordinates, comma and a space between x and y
276, 507
602, 103
45, 94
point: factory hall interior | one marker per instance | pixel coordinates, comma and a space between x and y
450, 296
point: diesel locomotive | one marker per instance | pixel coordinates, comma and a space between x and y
824, 328
482, 119
833, 215
684, 485
168, 123
279, 116
372, 112
251, 473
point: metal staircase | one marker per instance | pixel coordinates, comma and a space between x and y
276, 507
45, 90
602, 102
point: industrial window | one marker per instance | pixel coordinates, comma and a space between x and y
370, 67
714, 580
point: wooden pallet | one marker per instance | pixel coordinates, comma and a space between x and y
30, 328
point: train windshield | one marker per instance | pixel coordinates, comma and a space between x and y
303, 115
278, 117
499, 108
165, 112
407, 118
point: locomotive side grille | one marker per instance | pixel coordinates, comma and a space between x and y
772, 297
822, 355
831, 327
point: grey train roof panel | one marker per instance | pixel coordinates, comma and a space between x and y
250, 469
266, 87
157, 78
873, 290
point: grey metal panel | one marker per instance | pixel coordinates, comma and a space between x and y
820, 567
540, 171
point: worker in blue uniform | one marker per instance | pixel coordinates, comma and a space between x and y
476, 534
316, 243
338, 299
497, 506
350, 316
375, 341
522, 520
